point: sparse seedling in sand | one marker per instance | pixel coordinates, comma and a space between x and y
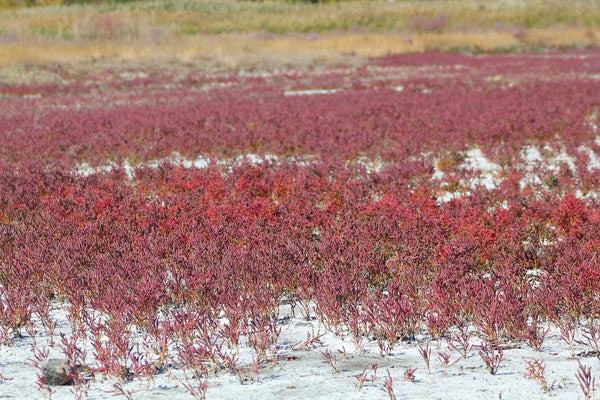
388, 386
364, 376
119, 390
409, 374
461, 341
426, 355
587, 382
444, 359
591, 336
492, 355
312, 340
567, 334
197, 385
536, 370
331, 359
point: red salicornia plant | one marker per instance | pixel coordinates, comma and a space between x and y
536, 370
426, 354
388, 386
492, 355
586, 381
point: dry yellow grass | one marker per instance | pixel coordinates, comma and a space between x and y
243, 34
248, 50
210, 16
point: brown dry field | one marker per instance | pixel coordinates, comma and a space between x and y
41, 44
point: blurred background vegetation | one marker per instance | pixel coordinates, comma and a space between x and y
277, 17
234, 32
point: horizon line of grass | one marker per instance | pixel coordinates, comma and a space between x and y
283, 17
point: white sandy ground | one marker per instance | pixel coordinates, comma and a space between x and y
308, 92
304, 375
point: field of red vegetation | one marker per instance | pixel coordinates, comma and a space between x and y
170, 216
